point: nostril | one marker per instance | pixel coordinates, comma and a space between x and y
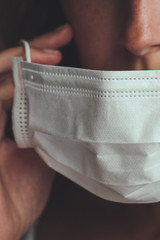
136, 49
156, 46
140, 44
140, 39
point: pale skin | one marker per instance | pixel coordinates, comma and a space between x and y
109, 35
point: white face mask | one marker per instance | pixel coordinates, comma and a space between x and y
100, 129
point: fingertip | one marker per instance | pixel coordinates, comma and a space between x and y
52, 57
69, 31
46, 56
66, 29
54, 39
61, 36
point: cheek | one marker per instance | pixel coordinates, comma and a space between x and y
96, 30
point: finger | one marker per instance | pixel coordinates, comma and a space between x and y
55, 39
48, 41
5, 58
6, 87
45, 56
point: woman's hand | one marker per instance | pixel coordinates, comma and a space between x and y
25, 180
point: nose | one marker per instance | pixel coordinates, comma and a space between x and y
142, 31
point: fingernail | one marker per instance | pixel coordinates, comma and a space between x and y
47, 50
62, 27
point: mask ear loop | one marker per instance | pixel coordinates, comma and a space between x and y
27, 50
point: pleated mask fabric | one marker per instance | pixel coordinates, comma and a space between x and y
101, 129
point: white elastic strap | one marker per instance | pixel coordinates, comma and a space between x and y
27, 50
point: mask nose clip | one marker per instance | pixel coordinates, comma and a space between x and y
27, 50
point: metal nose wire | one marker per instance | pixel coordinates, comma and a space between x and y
27, 50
